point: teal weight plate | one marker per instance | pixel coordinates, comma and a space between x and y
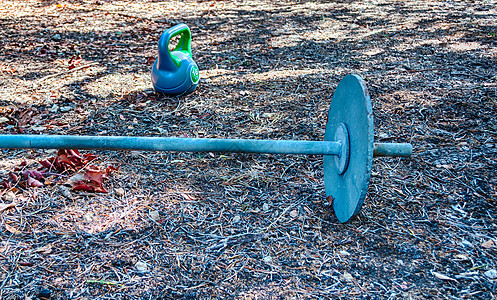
350, 106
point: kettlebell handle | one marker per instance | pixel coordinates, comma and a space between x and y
166, 60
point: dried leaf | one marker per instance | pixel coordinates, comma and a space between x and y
33, 173
5, 206
6, 184
13, 177
488, 244
47, 164
141, 266
154, 215
11, 229
44, 250
91, 180
64, 190
330, 199
82, 186
111, 169
95, 178
10, 196
119, 192
442, 276
34, 182
71, 160
187, 197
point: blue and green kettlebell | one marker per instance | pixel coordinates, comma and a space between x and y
175, 72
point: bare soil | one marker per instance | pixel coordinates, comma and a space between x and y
247, 226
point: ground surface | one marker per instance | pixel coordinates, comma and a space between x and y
176, 225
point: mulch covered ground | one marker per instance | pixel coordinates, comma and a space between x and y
248, 226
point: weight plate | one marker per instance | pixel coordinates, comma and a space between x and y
350, 105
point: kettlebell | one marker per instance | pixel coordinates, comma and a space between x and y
175, 72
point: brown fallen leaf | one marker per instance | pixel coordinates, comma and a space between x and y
13, 177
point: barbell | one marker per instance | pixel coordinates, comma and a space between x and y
348, 146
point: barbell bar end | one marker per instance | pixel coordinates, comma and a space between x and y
392, 149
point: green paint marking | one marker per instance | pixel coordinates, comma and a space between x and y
195, 74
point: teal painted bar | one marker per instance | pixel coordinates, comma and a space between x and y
168, 144
392, 149
25, 141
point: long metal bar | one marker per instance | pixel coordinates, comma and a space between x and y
189, 144
169, 144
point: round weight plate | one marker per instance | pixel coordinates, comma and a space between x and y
350, 105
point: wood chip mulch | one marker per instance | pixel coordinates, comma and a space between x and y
250, 226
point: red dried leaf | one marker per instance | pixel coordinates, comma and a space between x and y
13, 177
6, 184
47, 164
66, 161
82, 186
34, 182
74, 61
93, 179
94, 173
71, 160
111, 169
33, 173
69, 157
150, 60
89, 186
96, 177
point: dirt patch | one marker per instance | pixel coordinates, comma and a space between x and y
189, 225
